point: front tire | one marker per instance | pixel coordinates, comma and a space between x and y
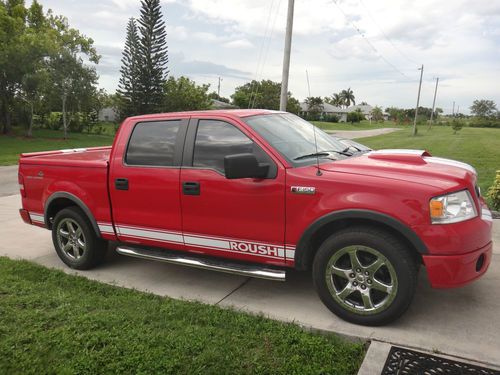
75, 241
365, 275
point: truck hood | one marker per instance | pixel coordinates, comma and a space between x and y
408, 165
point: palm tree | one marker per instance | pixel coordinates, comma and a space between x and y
348, 97
337, 100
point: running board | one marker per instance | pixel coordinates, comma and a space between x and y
251, 270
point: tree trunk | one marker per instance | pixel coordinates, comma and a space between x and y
65, 125
5, 116
30, 129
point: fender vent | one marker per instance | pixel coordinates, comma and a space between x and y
403, 361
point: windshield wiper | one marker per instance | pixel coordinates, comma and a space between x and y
321, 153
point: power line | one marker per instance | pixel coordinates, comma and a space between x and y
252, 86
385, 35
266, 52
394, 67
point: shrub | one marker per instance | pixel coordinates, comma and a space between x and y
331, 118
355, 116
53, 121
456, 126
494, 192
485, 123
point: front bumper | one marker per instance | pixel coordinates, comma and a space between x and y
450, 271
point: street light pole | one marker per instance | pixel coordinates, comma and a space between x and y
418, 101
286, 57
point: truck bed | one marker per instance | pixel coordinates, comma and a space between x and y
94, 157
78, 173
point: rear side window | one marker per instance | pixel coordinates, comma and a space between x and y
216, 139
153, 143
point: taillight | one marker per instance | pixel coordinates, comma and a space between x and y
21, 185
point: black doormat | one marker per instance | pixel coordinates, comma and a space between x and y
401, 361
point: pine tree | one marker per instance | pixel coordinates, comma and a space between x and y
153, 56
129, 84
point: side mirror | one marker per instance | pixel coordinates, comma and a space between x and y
244, 166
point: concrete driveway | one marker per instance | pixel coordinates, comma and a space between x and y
460, 322
8, 181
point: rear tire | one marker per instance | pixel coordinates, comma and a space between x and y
365, 275
75, 241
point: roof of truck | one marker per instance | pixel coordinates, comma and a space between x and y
214, 112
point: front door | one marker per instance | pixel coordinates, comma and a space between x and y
144, 184
242, 219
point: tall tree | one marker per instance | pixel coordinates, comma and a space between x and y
153, 56
129, 84
314, 106
484, 108
264, 94
183, 94
69, 75
335, 100
348, 97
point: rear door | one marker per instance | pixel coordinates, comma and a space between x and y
144, 184
242, 219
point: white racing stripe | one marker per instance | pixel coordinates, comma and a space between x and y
37, 218
150, 234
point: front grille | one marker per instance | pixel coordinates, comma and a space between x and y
403, 361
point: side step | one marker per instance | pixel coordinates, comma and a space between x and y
251, 270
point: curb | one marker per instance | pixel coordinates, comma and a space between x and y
375, 358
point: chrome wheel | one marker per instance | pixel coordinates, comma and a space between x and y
71, 239
361, 280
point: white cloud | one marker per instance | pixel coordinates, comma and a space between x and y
238, 44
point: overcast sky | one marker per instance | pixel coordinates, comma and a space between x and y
238, 40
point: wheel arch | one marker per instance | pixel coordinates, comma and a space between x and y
60, 200
328, 224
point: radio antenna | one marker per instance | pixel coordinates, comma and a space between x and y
318, 171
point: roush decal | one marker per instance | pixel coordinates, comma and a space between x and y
245, 247
259, 249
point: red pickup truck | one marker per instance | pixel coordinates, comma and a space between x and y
257, 192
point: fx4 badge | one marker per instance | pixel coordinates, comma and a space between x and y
309, 190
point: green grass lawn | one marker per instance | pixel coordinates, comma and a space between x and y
54, 323
43, 140
363, 125
478, 147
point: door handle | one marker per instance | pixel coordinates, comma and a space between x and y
191, 188
121, 184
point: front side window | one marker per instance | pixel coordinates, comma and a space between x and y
216, 139
153, 143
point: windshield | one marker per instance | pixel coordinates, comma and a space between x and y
293, 137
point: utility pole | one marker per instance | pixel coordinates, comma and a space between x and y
453, 112
434, 102
308, 85
286, 57
218, 87
458, 110
418, 101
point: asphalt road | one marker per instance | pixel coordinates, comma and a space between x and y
460, 322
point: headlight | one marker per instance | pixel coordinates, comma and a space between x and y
452, 208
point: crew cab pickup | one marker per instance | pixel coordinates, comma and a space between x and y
257, 192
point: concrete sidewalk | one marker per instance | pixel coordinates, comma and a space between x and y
461, 322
